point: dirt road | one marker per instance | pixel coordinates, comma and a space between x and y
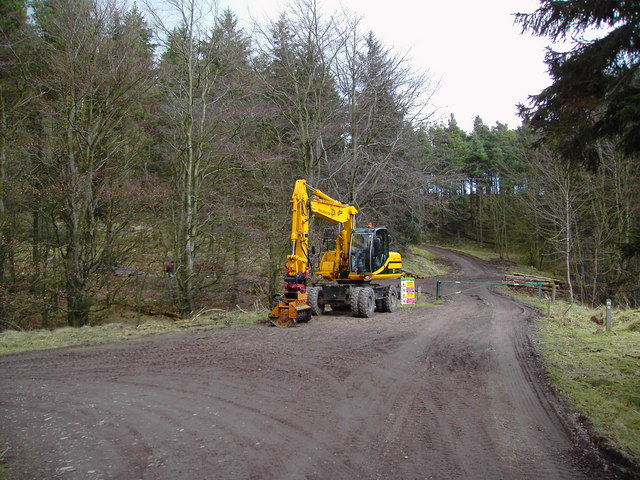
447, 392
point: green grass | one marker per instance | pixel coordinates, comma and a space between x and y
597, 371
473, 249
420, 261
4, 468
12, 341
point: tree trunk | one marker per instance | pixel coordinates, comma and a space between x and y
78, 306
568, 238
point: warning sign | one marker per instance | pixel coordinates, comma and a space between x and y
408, 291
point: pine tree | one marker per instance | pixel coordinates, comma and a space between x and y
596, 85
298, 54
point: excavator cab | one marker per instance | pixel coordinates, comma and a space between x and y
369, 250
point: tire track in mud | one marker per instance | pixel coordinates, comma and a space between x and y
444, 392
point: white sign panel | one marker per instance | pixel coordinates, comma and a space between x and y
408, 291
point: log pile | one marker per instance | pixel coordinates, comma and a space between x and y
407, 273
547, 283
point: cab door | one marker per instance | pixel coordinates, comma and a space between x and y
379, 248
360, 252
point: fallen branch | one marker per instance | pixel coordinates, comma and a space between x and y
163, 314
12, 325
203, 311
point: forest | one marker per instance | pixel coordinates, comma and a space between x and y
130, 138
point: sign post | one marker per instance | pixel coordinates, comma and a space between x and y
408, 290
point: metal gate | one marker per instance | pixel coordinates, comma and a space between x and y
440, 286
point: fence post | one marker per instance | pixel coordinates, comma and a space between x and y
608, 315
438, 286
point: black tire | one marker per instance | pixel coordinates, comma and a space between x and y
355, 307
366, 302
303, 316
390, 300
315, 299
379, 305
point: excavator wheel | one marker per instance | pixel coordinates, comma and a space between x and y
316, 300
390, 300
366, 302
355, 307
379, 305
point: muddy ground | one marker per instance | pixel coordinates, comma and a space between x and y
446, 392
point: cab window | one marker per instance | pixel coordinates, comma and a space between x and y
360, 256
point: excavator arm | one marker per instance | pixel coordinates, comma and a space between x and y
320, 205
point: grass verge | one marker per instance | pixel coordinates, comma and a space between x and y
420, 261
12, 341
4, 468
598, 372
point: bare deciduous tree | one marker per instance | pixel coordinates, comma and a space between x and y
95, 73
384, 102
204, 58
296, 63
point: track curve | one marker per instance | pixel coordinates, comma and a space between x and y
447, 392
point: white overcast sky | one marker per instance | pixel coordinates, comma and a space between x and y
484, 64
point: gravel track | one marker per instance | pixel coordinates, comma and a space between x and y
446, 392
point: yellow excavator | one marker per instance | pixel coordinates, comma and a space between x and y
344, 275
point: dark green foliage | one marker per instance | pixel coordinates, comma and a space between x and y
596, 86
631, 248
12, 16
